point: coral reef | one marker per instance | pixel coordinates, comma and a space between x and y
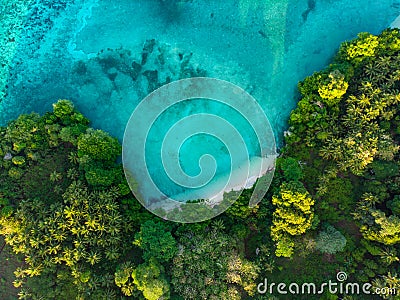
24, 24
117, 78
11, 25
156, 65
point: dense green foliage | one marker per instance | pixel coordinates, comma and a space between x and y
69, 230
98, 145
330, 241
156, 241
147, 278
208, 266
334, 201
344, 133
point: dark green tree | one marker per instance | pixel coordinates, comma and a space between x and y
98, 145
156, 241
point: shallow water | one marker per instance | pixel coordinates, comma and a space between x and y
95, 52
263, 46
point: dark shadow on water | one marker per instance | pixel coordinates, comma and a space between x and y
310, 8
171, 10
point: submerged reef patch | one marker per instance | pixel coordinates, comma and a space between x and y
118, 79
24, 23
156, 65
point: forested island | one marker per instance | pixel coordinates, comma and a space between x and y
73, 229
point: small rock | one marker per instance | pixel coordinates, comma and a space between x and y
112, 73
136, 68
147, 49
287, 133
152, 78
149, 46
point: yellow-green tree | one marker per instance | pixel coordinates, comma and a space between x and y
293, 215
147, 279
334, 88
79, 235
383, 229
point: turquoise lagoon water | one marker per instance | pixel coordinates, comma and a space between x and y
107, 55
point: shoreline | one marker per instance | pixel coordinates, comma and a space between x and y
240, 179
395, 23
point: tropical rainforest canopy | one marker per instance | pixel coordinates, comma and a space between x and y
68, 213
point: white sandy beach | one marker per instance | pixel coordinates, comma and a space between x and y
241, 178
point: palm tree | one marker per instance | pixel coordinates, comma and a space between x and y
218, 225
112, 253
366, 87
69, 212
360, 211
384, 62
93, 257
72, 173
24, 294
94, 283
17, 283
20, 273
59, 236
385, 282
55, 176
392, 280
68, 257
113, 229
389, 255
370, 72
57, 259
53, 249
364, 101
108, 294
379, 77
34, 242
332, 149
92, 223
114, 192
73, 158
387, 114
107, 281
114, 217
58, 189
34, 270
380, 105
370, 200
